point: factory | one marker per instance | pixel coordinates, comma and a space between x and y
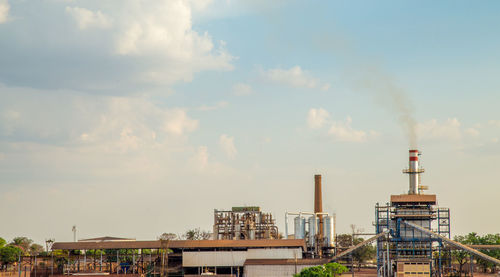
412, 238
408, 250
245, 242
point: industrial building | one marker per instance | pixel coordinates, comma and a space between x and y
412, 231
412, 236
244, 223
245, 242
316, 228
186, 257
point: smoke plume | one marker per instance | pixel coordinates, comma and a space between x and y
392, 98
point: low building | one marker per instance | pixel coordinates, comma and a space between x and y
192, 257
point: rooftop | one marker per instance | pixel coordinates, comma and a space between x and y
414, 198
181, 244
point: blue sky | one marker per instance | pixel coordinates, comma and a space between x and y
134, 118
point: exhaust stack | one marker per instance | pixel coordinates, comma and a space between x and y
318, 203
414, 172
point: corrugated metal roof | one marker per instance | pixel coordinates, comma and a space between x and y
107, 238
182, 244
421, 198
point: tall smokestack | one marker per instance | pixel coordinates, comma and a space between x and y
414, 172
318, 202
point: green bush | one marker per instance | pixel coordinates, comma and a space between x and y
327, 270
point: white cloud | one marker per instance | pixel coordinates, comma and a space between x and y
242, 89
227, 144
179, 123
111, 123
216, 106
201, 157
88, 19
339, 130
473, 132
342, 131
4, 10
495, 123
435, 130
139, 45
317, 118
295, 77
164, 29
129, 124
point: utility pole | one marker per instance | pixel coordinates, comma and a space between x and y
164, 258
74, 232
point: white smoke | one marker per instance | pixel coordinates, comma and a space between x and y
392, 98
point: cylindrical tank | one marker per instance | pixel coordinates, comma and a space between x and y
313, 223
251, 230
300, 227
237, 230
328, 230
251, 234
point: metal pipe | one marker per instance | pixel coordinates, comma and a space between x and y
286, 225
388, 257
307, 213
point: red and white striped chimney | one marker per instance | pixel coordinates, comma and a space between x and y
414, 172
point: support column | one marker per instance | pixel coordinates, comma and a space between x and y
471, 262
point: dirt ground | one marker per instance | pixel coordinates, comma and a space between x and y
372, 272
365, 272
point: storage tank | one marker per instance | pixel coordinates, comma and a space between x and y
313, 224
237, 231
328, 230
251, 234
300, 227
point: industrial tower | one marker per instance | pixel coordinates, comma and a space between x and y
406, 251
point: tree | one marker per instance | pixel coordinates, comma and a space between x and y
2, 242
361, 255
23, 242
328, 270
167, 236
460, 256
9, 254
473, 238
196, 234
36, 249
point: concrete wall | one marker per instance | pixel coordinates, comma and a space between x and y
237, 258
275, 253
213, 258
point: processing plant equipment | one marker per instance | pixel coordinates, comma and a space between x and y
242, 223
408, 251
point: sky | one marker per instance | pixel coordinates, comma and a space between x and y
134, 118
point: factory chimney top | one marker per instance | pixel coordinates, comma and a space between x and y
318, 202
414, 172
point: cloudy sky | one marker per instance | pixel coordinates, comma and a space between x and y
133, 118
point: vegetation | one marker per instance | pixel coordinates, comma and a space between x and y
196, 234
461, 256
23, 246
360, 256
9, 254
168, 236
19, 246
327, 270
